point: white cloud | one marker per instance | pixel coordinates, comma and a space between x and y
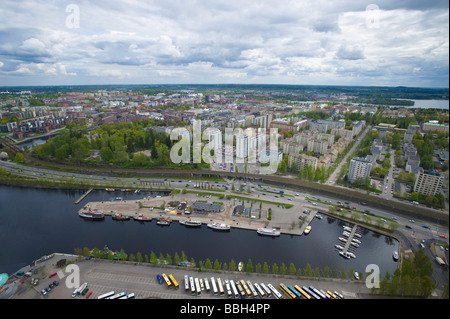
214, 41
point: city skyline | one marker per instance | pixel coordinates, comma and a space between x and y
252, 42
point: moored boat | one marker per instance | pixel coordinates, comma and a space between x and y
344, 254
318, 216
120, 216
356, 275
342, 239
395, 255
190, 222
268, 232
93, 214
307, 230
347, 228
351, 254
162, 222
356, 241
142, 218
339, 247
219, 226
354, 244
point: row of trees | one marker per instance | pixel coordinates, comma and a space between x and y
264, 268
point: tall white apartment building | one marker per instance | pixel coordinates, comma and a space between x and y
359, 168
428, 183
242, 146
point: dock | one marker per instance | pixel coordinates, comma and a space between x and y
349, 241
308, 219
84, 195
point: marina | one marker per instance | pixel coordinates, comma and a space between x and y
73, 232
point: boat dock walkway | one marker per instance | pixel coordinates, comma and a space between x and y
308, 219
349, 240
84, 195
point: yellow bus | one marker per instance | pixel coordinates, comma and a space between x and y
286, 291
304, 294
174, 282
332, 295
166, 280
245, 287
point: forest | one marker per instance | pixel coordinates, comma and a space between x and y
117, 144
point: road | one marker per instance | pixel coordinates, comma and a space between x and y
413, 231
335, 175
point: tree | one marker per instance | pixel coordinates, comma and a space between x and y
275, 268
232, 265
283, 268
168, 259
308, 270
292, 269
139, 257
153, 258
265, 269
208, 264
216, 265
176, 259
249, 267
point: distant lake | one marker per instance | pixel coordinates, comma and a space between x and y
430, 104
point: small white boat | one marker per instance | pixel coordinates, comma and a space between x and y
351, 254
345, 255
307, 230
268, 232
318, 216
395, 255
357, 235
356, 275
218, 226
354, 244
339, 247
342, 239
347, 228
356, 241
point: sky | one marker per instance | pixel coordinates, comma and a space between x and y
341, 42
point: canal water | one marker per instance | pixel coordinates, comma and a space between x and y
36, 222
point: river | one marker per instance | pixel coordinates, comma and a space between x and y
36, 222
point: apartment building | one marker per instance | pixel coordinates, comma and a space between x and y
359, 168
299, 161
428, 183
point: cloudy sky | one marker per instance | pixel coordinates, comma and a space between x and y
385, 43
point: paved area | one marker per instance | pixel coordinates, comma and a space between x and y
104, 276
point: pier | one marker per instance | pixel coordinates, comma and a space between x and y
308, 219
84, 195
350, 238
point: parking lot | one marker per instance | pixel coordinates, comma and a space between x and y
104, 276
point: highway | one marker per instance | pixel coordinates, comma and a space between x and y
413, 232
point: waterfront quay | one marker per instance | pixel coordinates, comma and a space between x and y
291, 220
104, 276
